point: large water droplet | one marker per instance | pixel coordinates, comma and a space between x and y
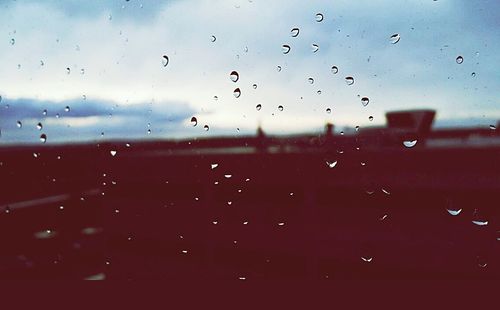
39, 126
285, 48
365, 101
213, 38
237, 93
410, 143
194, 121
335, 70
280, 108
331, 164
19, 124
454, 212
295, 32
234, 76
394, 38
493, 127
349, 80
258, 106
314, 47
459, 59
43, 138
164, 60
319, 17
310, 80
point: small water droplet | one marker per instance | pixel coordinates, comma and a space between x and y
67, 109
254, 86
13, 41
370, 118
234, 76
335, 70
385, 191
213, 38
194, 121
44, 112
258, 107
454, 212
68, 70
214, 165
331, 164
278, 68
285, 48
319, 17
184, 251
113, 152
43, 138
394, 38
410, 143
314, 47
328, 110
349, 80
280, 108
165, 60
310, 80
294, 32
19, 124
206, 128
237, 93
459, 59
42, 63
480, 222
281, 224
82, 71
228, 176
492, 127
365, 101
367, 259
473, 74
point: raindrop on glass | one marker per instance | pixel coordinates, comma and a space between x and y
480, 223
349, 80
214, 165
278, 68
39, 126
112, 152
206, 128
454, 212
410, 143
237, 93
319, 17
473, 74
365, 101
194, 121
492, 127
370, 118
315, 47
331, 164
164, 60
367, 259
310, 80
213, 38
328, 110
285, 48
394, 38
254, 86
459, 59
19, 124
319, 92
335, 70
44, 112
68, 70
82, 71
12, 41
295, 32
280, 108
258, 107
67, 109
234, 76
43, 138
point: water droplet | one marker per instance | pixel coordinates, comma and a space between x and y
367, 259
285, 48
454, 212
184, 251
473, 74
315, 47
328, 110
278, 68
194, 121
43, 138
234, 76
280, 108
214, 165
331, 164
394, 38
13, 41
410, 143
112, 152
349, 80
294, 32
67, 109
68, 70
385, 191
213, 38
237, 93
258, 107
459, 59
242, 278
44, 112
42, 63
480, 222
206, 128
254, 86
310, 80
335, 70
228, 176
164, 60
281, 224
82, 71
357, 129
19, 124
365, 101
492, 127
319, 17
370, 118
216, 98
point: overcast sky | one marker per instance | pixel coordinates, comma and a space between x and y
118, 85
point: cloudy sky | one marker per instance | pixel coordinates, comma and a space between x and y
97, 67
